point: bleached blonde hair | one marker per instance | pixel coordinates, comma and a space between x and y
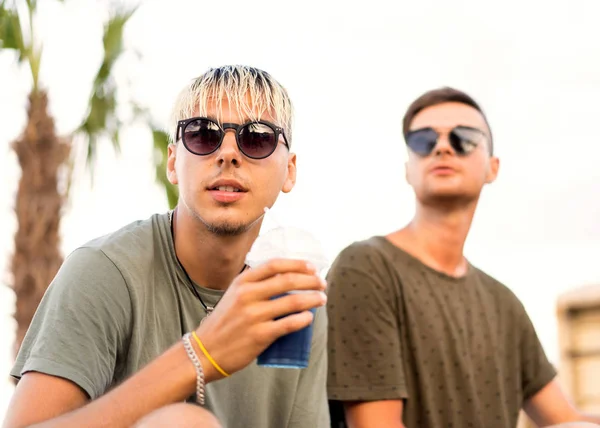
252, 92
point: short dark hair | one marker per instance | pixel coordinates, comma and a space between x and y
440, 96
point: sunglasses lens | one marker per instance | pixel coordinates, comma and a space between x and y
202, 136
422, 141
257, 140
464, 140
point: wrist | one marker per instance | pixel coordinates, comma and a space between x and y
193, 356
210, 373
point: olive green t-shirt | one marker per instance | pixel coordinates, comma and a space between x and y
460, 352
121, 300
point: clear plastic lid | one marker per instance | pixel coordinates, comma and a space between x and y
287, 243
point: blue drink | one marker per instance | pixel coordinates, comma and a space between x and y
291, 351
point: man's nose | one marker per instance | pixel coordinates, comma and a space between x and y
229, 151
443, 146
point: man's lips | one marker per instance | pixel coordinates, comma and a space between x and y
226, 196
442, 170
227, 191
227, 185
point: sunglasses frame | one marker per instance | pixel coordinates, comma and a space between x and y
464, 153
277, 130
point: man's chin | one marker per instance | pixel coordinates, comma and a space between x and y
448, 198
228, 222
227, 229
230, 227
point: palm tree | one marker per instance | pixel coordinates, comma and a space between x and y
44, 156
161, 142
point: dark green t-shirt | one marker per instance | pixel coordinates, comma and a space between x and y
121, 300
460, 352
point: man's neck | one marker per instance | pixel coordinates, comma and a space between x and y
437, 237
210, 260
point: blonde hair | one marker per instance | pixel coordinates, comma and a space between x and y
251, 91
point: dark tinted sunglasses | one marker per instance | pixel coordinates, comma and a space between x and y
463, 140
203, 136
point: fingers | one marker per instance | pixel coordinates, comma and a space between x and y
289, 324
286, 282
291, 304
275, 267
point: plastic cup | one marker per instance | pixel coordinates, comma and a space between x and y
291, 350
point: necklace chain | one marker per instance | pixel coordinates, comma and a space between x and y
207, 308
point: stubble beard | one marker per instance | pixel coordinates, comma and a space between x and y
226, 229
449, 201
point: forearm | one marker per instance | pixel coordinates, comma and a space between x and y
383, 413
573, 419
168, 379
590, 418
380, 424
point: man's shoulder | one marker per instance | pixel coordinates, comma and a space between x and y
501, 291
487, 279
132, 245
366, 251
366, 264
136, 233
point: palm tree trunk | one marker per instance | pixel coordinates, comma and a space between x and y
37, 255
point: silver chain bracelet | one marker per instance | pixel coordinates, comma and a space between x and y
187, 344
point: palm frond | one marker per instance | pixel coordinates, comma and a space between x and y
161, 143
11, 34
102, 119
32, 4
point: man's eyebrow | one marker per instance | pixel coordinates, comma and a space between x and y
475, 128
421, 128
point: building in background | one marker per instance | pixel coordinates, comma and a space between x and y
578, 313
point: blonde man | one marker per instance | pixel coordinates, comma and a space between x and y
105, 348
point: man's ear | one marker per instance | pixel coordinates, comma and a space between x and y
406, 174
171, 158
492, 173
290, 180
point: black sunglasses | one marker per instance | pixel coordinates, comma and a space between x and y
203, 136
463, 140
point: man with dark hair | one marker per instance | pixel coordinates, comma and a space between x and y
439, 96
418, 336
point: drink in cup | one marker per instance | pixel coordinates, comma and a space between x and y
291, 350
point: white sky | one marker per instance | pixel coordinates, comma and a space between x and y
352, 69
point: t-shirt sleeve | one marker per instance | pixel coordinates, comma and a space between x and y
364, 349
81, 325
310, 406
537, 371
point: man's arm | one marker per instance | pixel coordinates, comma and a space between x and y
40, 397
367, 414
551, 406
246, 321
544, 400
365, 369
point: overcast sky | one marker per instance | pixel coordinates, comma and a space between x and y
352, 69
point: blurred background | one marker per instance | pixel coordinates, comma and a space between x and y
351, 68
